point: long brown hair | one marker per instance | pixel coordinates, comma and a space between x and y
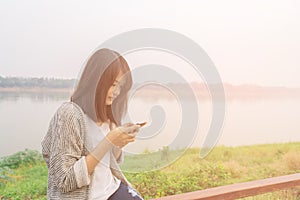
98, 76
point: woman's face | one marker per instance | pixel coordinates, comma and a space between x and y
114, 90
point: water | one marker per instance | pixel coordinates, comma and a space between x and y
25, 118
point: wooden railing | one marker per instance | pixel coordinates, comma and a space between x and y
240, 190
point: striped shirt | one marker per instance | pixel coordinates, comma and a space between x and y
64, 149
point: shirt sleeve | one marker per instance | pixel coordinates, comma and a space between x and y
82, 177
67, 166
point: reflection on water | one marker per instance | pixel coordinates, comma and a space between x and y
34, 96
25, 118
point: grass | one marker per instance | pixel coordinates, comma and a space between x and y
30, 182
24, 175
223, 166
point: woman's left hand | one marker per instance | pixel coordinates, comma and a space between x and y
134, 132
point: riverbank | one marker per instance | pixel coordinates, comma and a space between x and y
24, 175
35, 89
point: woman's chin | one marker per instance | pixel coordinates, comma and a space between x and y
108, 103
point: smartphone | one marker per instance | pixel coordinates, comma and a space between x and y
141, 124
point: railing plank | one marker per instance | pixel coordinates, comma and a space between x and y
240, 190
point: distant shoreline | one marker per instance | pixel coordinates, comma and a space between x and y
199, 90
35, 89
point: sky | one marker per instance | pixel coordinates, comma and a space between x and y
250, 42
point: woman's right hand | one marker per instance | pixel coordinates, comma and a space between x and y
118, 137
122, 135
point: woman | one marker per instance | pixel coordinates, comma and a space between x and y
83, 145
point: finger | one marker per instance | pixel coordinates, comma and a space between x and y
122, 129
133, 128
133, 134
129, 129
128, 124
131, 140
130, 135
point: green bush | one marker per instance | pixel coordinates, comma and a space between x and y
21, 158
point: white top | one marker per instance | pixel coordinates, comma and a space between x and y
104, 184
